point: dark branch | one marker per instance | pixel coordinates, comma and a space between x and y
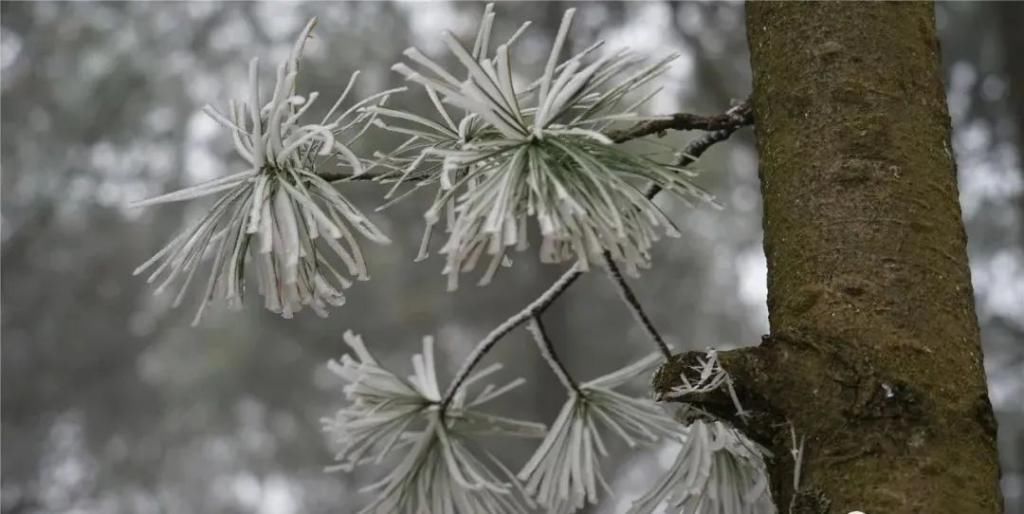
338, 177
742, 115
634, 305
683, 121
540, 336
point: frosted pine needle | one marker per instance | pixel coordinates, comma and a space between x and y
535, 152
277, 215
704, 376
564, 473
717, 471
382, 407
438, 472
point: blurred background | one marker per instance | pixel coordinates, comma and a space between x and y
111, 403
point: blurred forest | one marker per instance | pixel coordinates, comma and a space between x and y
111, 403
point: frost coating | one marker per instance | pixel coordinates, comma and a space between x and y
273, 214
437, 471
535, 151
717, 471
565, 471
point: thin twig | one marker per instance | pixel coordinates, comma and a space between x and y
537, 306
336, 177
741, 116
681, 121
547, 350
634, 305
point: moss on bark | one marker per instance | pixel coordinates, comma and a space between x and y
874, 354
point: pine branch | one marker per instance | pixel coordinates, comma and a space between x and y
719, 126
335, 176
741, 116
536, 329
683, 121
634, 305
537, 306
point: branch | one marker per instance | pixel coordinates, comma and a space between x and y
683, 121
721, 127
634, 305
534, 308
741, 116
536, 329
335, 177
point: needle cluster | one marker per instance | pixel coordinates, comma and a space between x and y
513, 150
277, 215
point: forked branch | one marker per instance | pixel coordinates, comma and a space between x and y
547, 350
683, 121
739, 115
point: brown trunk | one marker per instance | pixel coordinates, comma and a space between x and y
874, 354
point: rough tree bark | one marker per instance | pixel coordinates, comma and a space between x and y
874, 354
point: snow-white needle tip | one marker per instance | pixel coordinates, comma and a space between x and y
278, 216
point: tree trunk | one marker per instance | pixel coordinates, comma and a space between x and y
874, 354
867, 256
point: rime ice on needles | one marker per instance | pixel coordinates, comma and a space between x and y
437, 471
717, 471
440, 474
535, 151
564, 472
273, 214
704, 376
